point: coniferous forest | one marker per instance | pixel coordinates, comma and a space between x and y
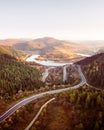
93, 68
16, 76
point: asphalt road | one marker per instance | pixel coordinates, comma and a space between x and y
64, 73
46, 73
27, 100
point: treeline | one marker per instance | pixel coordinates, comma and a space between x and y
16, 76
90, 60
95, 74
93, 68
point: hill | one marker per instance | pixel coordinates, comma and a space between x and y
54, 49
48, 47
16, 76
93, 68
12, 51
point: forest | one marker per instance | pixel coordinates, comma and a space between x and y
93, 68
81, 109
16, 76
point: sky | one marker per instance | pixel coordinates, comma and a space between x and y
62, 19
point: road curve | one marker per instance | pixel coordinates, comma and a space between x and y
46, 73
37, 115
64, 73
27, 100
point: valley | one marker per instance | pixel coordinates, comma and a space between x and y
33, 76
55, 49
52, 65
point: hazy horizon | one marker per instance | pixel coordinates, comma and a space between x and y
63, 19
73, 41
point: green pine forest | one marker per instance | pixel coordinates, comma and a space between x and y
93, 68
16, 76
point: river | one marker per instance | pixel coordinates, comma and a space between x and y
49, 63
33, 58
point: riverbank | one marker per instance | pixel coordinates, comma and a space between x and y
33, 58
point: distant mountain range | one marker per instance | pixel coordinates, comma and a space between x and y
52, 48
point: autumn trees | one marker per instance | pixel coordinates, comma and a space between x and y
93, 68
83, 109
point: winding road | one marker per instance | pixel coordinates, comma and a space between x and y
27, 100
46, 73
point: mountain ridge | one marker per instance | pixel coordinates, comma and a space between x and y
54, 49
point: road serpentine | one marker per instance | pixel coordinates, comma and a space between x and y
46, 73
27, 100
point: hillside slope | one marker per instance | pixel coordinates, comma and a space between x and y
81, 109
16, 76
50, 48
93, 68
12, 51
